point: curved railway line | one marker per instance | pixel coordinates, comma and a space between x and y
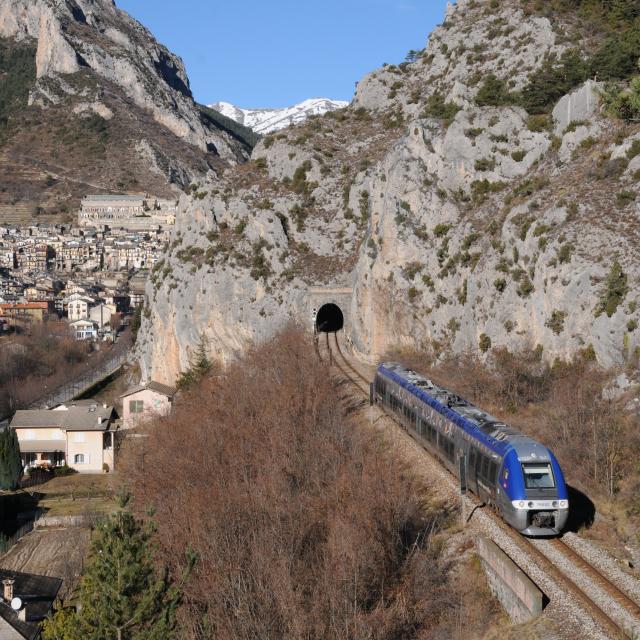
619, 617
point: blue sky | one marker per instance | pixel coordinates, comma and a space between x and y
273, 53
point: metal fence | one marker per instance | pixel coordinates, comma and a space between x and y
6, 542
82, 383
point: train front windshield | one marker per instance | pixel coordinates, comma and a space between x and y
538, 476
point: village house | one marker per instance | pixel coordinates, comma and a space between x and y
80, 434
78, 306
101, 314
22, 313
84, 329
146, 401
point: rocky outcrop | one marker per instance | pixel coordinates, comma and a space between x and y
95, 35
456, 226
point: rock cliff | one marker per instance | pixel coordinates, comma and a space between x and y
457, 215
100, 91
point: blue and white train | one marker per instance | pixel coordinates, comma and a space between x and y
516, 475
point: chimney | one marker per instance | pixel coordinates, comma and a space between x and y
8, 589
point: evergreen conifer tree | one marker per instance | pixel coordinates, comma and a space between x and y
122, 594
10, 463
200, 365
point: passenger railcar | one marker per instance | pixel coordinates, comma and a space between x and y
518, 476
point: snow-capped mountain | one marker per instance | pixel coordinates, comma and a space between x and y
264, 121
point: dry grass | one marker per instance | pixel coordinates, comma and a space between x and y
76, 494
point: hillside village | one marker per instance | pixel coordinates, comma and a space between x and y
87, 272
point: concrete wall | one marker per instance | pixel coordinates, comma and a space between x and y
518, 594
155, 404
88, 443
40, 433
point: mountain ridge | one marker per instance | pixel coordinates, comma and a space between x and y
268, 120
93, 97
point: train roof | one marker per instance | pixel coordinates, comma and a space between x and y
493, 433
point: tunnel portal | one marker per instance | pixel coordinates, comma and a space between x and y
329, 318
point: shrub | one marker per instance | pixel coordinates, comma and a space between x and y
66, 470
411, 269
494, 93
614, 291
441, 230
500, 284
623, 103
299, 182
623, 198
539, 123
565, 252
519, 155
634, 150
481, 189
526, 287
556, 321
552, 81
485, 164
484, 342
260, 163
439, 109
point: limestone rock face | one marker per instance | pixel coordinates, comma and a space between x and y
443, 225
580, 106
96, 36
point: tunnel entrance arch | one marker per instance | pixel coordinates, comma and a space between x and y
329, 318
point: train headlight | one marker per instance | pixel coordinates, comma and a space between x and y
530, 505
564, 504
554, 504
521, 504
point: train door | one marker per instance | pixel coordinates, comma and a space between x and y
502, 487
472, 472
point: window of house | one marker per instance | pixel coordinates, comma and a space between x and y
78, 458
136, 406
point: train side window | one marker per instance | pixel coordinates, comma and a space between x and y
493, 468
485, 468
472, 459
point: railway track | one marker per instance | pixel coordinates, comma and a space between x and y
540, 550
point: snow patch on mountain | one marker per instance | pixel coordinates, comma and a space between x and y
265, 121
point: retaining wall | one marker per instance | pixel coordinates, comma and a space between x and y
518, 594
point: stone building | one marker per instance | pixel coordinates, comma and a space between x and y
126, 211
